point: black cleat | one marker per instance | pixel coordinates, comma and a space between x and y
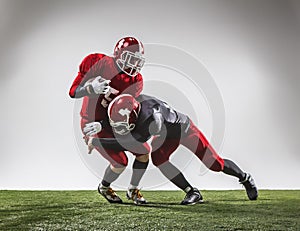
109, 194
192, 197
250, 187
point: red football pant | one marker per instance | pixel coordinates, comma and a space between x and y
118, 159
195, 141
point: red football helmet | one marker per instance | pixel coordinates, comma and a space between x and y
123, 113
129, 55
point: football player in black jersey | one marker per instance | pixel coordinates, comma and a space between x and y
137, 121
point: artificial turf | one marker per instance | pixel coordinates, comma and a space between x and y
87, 210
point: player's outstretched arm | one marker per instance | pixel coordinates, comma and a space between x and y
128, 143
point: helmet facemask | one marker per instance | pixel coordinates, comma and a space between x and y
130, 63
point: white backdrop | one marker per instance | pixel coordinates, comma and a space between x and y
251, 48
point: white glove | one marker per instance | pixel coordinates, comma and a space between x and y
100, 87
92, 128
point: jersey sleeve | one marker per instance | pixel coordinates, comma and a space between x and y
85, 72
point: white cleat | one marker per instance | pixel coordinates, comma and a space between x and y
135, 195
109, 194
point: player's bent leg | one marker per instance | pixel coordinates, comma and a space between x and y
172, 173
118, 162
110, 175
160, 158
196, 142
139, 167
245, 179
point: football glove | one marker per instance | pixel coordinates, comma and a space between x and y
92, 128
100, 85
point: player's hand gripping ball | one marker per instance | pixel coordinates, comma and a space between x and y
99, 85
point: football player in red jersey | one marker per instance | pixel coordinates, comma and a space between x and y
136, 121
100, 79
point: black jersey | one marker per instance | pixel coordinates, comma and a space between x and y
155, 118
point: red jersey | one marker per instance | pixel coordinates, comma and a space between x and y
94, 107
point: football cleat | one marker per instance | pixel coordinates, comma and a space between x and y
135, 195
250, 187
192, 197
109, 194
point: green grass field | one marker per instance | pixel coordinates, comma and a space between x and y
87, 210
